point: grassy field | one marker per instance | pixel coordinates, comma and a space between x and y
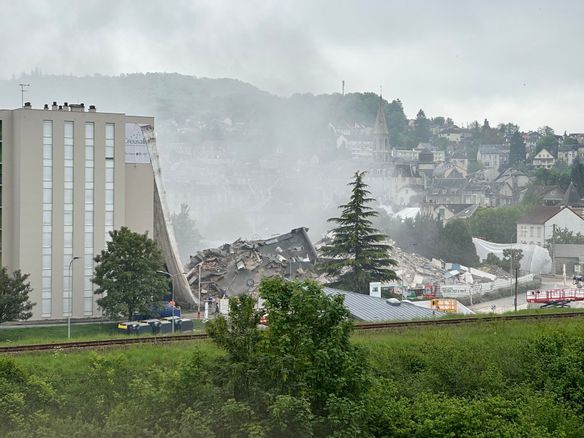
79, 332
84, 332
498, 338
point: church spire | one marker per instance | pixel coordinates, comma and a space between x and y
380, 127
381, 146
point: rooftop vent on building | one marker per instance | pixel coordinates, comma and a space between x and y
27, 105
54, 106
78, 107
92, 108
46, 107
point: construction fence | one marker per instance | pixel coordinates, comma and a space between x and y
465, 290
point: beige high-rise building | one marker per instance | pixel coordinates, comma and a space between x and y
69, 176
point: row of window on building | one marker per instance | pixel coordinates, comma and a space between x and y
67, 210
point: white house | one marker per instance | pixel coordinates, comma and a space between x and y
537, 227
543, 160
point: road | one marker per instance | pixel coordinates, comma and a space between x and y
506, 304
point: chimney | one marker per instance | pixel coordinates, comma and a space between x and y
66, 106
55, 106
60, 107
92, 108
27, 105
46, 106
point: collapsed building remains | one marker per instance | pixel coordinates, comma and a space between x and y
238, 267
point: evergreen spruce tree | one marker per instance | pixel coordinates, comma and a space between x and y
517, 150
14, 292
356, 255
422, 128
577, 176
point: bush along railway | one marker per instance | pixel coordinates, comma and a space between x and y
159, 340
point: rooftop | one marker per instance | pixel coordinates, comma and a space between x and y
539, 215
367, 308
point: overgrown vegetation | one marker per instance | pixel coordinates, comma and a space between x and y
429, 238
304, 376
497, 224
511, 260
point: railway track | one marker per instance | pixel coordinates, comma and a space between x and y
106, 343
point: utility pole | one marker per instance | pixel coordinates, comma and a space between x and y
22, 91
516, 272
343, 88
199, 304
70, 292
553, 249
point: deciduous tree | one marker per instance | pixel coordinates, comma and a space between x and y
127, 275
305, 354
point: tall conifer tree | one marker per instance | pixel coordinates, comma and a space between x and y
357, 254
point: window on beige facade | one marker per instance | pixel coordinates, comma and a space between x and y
68, 152
47, 220
88, 218
109, 178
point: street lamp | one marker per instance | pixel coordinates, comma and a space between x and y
172, 283
70, 298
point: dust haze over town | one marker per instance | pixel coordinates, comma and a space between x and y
264, 110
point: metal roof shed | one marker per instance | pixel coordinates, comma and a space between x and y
367, 308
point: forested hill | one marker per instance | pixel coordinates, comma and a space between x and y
184, 99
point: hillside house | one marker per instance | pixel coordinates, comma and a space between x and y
537, 227
567, 154
444, 212
493, 156
460, 159
543, 160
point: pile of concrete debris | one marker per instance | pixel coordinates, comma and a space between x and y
415, 270
238, 267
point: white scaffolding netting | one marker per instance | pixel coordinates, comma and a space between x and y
536, 260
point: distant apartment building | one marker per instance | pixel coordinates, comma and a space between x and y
69, 177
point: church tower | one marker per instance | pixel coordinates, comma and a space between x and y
381, 147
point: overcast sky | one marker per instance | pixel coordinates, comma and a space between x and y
508, 61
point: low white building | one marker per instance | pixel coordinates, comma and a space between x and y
537, 227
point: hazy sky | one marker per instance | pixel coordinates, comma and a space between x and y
509, 61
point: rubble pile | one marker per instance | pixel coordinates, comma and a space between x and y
415, 270
238, 267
